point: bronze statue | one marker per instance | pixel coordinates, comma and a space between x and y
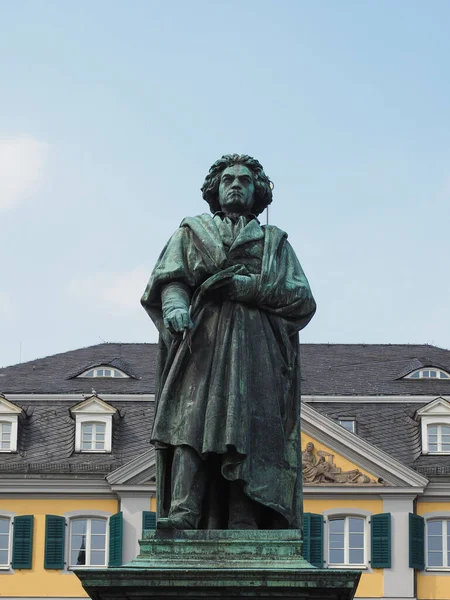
229, 297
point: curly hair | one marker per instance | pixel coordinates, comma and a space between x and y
263, 185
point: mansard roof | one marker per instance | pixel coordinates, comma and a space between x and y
327, 370
340, 379
46, 438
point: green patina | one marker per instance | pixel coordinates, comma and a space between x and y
228, 297
220, 564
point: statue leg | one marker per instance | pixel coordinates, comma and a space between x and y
244, 513
188, 488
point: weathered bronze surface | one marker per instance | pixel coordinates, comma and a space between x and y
214, 565
228, 297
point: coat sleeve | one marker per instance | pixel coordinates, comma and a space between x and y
179, 262
283, 288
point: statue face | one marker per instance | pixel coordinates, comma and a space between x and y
236, 190
309, 447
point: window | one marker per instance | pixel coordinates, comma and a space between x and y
5, 435
428, 373
88, 542
439, 438
346, 541
93, 425
77, 540
438, 543
435, 426
9, 415
348, 423
93, 437
103, 371
5, 542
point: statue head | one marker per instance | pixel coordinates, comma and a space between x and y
309, 447
237, 183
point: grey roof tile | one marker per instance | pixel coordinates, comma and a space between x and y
327, 369
46, 429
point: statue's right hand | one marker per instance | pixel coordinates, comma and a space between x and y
177, 320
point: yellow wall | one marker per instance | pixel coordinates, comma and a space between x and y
432, 586
371, 585
338, 460
39, 581
436, 587
153, 504
435, 507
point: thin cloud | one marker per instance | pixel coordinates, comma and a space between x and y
22, 160
117, 291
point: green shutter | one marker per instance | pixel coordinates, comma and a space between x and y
22, 542
416, 542
313, 539
381, 541
115, 540
148, 520
55, 533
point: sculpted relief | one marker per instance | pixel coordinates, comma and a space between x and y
320, 468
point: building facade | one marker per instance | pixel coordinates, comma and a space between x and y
77, 472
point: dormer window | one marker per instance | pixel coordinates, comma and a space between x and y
435, 426
439, 438
93, 436
348, 423
5, 435
103, 371
93, 425
428, 373
9, 415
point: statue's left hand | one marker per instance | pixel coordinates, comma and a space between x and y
177, 320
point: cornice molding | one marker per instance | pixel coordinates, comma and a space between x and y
331, 492
9, 408
357, 399
135, 489
79, 397
63, 487
439, 406
139, 469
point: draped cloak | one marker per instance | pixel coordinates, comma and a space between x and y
231, 384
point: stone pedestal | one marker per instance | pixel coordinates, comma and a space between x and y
194, 565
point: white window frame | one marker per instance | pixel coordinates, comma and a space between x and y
84, 514
9, 413
439, 438
115, 373
445, 545
339, 513
105, 420
88, 541
94, 441
432, 421
351, 420
419, 374
12, 422
93, 410
8, 517
436, 412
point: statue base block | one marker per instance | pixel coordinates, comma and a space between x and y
213, 564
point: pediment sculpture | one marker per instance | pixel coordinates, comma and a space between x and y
319, 468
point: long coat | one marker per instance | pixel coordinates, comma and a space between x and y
231, 385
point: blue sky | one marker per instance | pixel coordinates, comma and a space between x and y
112, 112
